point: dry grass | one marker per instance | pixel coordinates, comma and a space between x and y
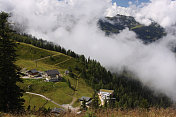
169, 112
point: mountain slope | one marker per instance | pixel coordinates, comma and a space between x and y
113, 25
46, 60
129, 93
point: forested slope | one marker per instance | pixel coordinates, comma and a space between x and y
148, 34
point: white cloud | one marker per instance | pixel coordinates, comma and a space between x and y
161, 11
115, 9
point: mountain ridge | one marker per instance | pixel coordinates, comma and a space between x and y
148, 34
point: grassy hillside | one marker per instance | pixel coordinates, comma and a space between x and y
32, 57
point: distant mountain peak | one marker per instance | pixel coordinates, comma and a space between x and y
148, 34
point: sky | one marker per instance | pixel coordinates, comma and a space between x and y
124, 3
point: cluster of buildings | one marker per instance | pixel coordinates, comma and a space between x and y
104, 95
55, 76
49, 76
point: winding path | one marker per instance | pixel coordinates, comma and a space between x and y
63, 61
53, 56
65, 106
46, 57
44, 98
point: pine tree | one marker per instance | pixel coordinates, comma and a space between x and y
106, 103
95, 103
111, 102
83, 106
10, 93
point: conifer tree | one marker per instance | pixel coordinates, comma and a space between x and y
83, 106
111, 102
95, 103
106, 103
10, 93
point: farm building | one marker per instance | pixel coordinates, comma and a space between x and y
105, 94
52, 75
57, 111
33, 73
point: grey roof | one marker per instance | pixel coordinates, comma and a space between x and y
85, 98
57, 110
33, 71
52, 72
